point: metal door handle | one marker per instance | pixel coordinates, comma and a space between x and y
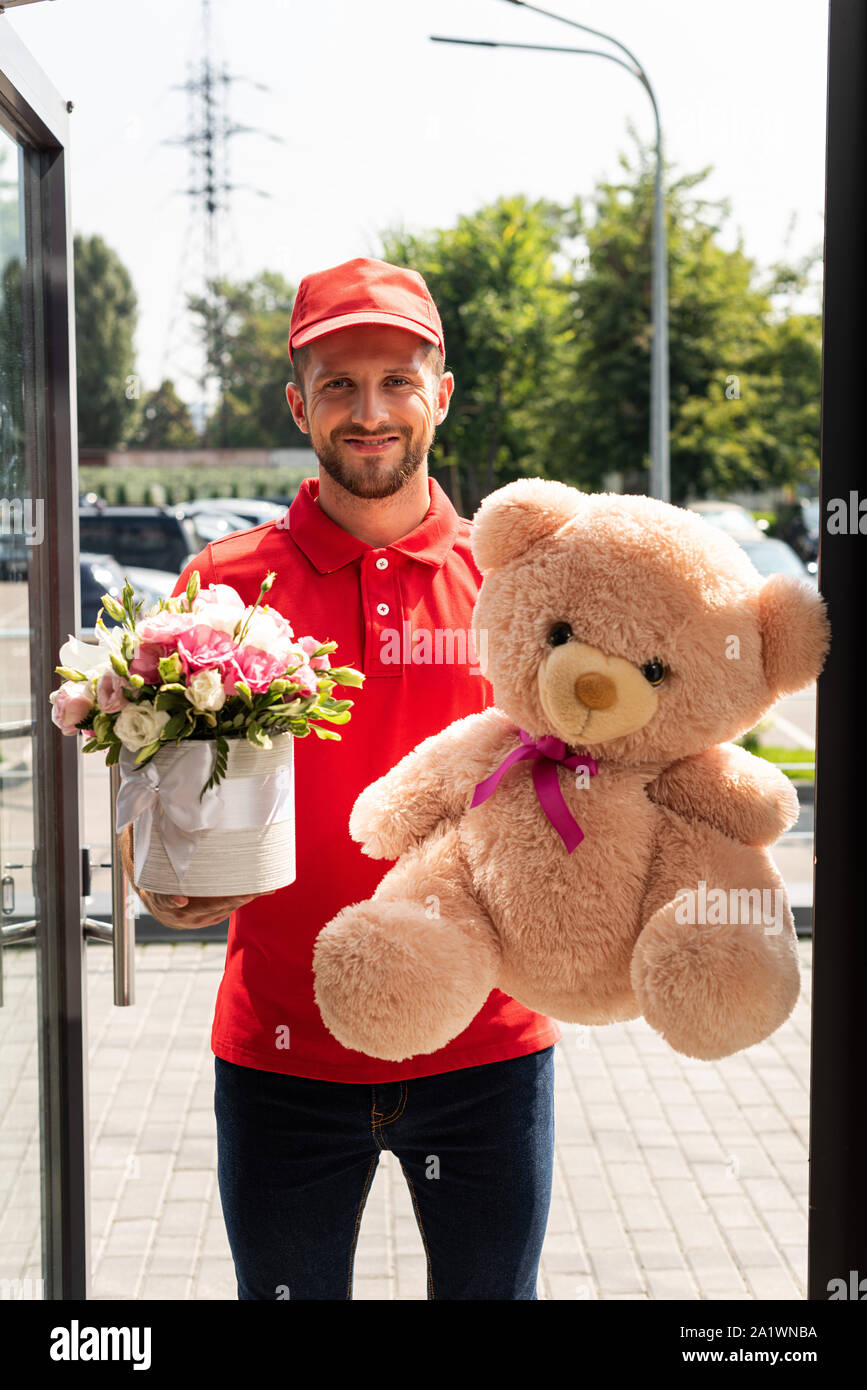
121, 931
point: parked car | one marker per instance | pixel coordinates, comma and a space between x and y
253, 510
738, 521
773, 556
101, 574
212, 522
153, 538
152, 544
798, 524
13, 557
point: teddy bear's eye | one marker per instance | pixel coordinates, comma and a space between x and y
560, 633
654, 672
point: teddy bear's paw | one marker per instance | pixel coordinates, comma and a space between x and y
393, 983
711, 990
381, 835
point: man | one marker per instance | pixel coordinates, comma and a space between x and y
369, 553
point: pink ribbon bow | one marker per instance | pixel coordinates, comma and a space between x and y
547, 752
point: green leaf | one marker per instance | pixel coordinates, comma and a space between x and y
148, 751
176, 723
257, 735
113, 754
323, 733
169, 699
220, 764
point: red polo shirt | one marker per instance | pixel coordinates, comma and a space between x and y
370, 600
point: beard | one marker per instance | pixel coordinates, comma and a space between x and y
370, 477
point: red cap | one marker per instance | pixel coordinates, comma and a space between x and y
363, 291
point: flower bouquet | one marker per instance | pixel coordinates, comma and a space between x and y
199, 702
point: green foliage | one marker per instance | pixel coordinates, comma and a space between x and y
244, 328
119, 485
165, 421
106, 315
547, 320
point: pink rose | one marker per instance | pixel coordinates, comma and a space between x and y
220, 593
145, 662
158, 636
203, 649
308, 645
165, 627
71, 703
305, 676
256, 667
111, 693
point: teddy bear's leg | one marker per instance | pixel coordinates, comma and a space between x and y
716, 967
406, 971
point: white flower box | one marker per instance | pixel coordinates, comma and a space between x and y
239, 838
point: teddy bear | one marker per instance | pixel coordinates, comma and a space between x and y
593, 844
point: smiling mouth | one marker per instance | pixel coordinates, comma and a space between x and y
373, 444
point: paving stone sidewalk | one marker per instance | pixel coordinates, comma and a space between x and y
674, 1179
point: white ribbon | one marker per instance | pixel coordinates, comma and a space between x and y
170, 794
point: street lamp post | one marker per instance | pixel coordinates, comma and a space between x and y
660, 480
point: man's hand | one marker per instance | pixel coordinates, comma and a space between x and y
175, 909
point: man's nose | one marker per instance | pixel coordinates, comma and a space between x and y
369, 407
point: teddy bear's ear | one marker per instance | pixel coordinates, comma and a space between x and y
795, 633
514, 517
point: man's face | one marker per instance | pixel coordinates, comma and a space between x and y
373, 405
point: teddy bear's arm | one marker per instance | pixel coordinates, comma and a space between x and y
744, 797
431, 784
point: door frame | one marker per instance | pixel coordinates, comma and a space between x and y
837, 1242
35, 115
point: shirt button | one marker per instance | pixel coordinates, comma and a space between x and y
382, 563
382, 608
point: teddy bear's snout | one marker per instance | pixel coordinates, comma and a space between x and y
595, 690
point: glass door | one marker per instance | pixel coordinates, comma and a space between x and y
21, 1256
43, 1121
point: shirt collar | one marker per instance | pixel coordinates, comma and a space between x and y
329, 547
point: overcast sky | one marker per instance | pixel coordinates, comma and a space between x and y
382, 127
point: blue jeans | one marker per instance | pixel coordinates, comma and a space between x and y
296, 1157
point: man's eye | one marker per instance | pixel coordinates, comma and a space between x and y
338, 381
399, 378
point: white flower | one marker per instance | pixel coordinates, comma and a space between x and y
270, 631
140, 724
91, 657
220, 606
205, 691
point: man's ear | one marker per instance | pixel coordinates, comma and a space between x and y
796, 633
296, 405
514, 517
445, 387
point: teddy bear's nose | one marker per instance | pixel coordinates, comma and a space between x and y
595, 690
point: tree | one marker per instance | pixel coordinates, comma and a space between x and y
106, 314
547, 318
165, 421
245, 329
744, 386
